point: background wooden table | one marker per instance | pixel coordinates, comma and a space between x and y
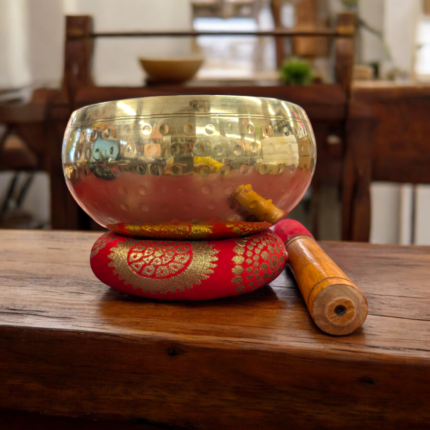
72, 347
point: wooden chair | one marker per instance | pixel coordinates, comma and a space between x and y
17, 157
27, 120
23, 145
306, 16
388, 140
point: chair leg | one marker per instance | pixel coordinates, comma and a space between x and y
316, 209
357, 176
24, 189
10, 191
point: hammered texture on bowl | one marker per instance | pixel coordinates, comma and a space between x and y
187, 166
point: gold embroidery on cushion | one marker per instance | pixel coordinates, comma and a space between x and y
237, 270
239, 250
266, 265
160, 231
185, 264
245, 228
101, 242
193, 230
238, 259
167, 230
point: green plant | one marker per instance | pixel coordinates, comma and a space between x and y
350, 3
296, 72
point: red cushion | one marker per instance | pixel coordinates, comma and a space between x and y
188, 270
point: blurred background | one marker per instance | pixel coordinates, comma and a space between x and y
364, 87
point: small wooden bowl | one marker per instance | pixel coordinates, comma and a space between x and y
176, 70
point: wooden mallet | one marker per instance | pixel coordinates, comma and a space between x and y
336, 305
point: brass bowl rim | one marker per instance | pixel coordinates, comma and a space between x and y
197, 105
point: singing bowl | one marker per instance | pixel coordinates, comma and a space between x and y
194, 166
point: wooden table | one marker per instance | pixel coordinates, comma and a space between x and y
72, 347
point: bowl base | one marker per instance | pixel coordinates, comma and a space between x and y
190, 230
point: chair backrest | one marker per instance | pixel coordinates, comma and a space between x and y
79, 47
388, 139
324, 103
78, 54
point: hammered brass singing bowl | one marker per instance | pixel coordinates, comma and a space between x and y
189, 166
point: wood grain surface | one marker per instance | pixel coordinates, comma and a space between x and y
72, 347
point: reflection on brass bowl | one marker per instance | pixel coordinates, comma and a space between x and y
176, 70
193, 167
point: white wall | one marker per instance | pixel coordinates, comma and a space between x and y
371, 48
397, 20
14, 62
32, 43
32, 38
400, 31
392, 213
45, 41
422, 215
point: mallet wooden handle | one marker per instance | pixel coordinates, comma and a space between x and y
336, 305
